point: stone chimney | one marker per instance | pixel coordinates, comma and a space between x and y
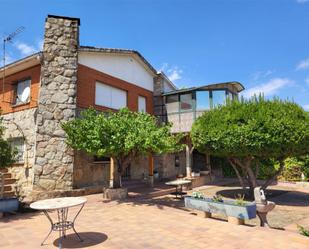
53, 168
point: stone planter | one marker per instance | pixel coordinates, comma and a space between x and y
227, 208
9, 205
115, 193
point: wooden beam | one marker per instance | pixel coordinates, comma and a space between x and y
111, 173
150, 164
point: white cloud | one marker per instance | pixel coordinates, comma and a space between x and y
25, 49
172, 72
8, 59
306, 107
40, 44
304, 64
302, 1
307, 80
268, 88
261, 74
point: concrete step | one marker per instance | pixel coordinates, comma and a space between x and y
7, 188
9, 194
7, 175
9, 181
4, 170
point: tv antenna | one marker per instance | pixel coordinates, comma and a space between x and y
9, 39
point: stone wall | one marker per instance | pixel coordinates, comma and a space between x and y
89, 173
22, 125
57, 103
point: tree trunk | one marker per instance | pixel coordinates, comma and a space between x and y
273, 178
2, 185
242, 183
245, 165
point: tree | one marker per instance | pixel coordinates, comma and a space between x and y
248, 131
120, 135
7, 155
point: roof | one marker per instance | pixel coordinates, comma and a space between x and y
239, 87
118, 51
21, 64
167, 79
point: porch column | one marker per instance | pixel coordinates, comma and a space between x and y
188, 161
111, 173
150, 163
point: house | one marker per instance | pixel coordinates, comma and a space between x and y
44, 89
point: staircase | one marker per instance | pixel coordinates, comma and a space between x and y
8, 183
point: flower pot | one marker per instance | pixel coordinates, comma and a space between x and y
226, 207
9, 204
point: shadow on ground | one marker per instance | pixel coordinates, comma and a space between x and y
89, 239
280, 197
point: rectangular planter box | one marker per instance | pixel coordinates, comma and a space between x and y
9, 204
227, 208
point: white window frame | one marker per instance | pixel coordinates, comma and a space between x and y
13, 142
17, 101
144, 99
111, 96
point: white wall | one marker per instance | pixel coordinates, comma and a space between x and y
124, 67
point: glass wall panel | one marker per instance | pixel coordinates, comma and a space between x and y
186, 102
172, 103
218, 97
202, 100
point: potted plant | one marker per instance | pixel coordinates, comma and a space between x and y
231, 208
6, 158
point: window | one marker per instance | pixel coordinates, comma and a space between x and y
186, 102
18, 145
141, 104
172, 103
218, 97
109, 96
22, 92
202, 100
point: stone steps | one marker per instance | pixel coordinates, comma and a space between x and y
8, 183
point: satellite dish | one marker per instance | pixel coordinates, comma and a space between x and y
24, 97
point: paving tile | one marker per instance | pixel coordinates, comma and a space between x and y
112, 225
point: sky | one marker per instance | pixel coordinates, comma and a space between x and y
264, 44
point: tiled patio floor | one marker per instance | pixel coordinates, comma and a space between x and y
137, 225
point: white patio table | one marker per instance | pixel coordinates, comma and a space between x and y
61, 205
179, 183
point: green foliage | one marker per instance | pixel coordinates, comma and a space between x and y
240, 200
303, 231
6, 152
294, 167
198, 195
257, 127
217, 198
222, 163
120, 134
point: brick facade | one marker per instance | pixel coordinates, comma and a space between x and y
7, 98
87, 78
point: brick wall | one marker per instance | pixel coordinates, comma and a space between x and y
86, 79
7, 99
